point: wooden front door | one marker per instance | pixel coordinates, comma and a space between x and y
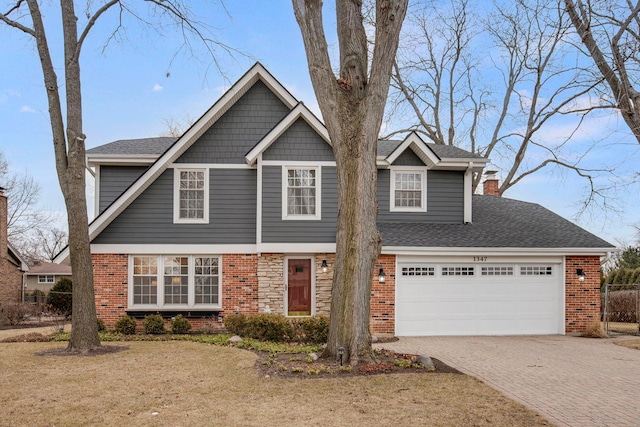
299, 287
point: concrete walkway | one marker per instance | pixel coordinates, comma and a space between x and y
571, 381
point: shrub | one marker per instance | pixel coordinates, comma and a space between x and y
180, 325
60, 297
14, 313
622, 306
101, 325
268, 327
126, 325
313, 330
153, 324
235, 323
595, 330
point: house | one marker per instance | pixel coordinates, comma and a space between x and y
239, 215
43, 276
11, 263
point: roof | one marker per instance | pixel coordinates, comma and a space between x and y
386, 147
50, 268
498, 222
156, 145
16, 258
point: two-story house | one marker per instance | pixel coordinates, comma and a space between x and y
239, 215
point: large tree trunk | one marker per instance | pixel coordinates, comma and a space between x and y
352, 107
70, 164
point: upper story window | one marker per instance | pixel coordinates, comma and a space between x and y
191, 196
408, 190
45, 279
301, 193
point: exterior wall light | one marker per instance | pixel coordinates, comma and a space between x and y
381, 276
581, 275
324, 266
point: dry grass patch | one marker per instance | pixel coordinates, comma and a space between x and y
187, 383
634, 343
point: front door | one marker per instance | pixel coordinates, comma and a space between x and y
298, 287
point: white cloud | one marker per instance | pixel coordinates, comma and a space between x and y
157, 87
27, 109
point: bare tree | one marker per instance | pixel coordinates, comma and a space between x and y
352, 105
446, 78
610, 32
67, 129
43, 244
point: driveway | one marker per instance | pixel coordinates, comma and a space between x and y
571, 381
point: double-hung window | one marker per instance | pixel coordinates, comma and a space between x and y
45, 279
191, 196
175, 282
408, 190
301, 193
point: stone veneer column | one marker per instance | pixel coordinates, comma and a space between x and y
582, 304
324, 281
271, 283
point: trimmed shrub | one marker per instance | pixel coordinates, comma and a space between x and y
60, 297
180, 325
126, 325
235, 323
101, 325
153, 324
269, 327
313, 330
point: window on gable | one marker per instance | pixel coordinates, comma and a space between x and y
191, 199
301, 193
408, 190
175, 282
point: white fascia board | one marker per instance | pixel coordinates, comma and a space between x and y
298, 248
461, 164
408, 250
172, 249
257, 72
121, 159
419, 147
300, 111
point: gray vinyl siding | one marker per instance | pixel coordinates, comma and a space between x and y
114, 180
239, 129
408, 158
299, 142
445, 199
277, 230
149, 219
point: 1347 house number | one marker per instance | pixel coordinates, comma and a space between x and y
479, 258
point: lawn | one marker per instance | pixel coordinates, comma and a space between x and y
186, 383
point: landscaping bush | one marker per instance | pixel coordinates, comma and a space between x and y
60, 297
14, 313
595, 330
180, 325
313, 330
126, 325
269, 327
153, 324
235, 323
622, 307
101, 325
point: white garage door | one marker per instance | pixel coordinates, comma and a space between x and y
484, 298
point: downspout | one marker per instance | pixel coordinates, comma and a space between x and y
468, 194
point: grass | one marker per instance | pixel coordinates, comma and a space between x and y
633, 343
156, 383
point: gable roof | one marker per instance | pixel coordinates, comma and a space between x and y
141, 150
15, 258
175, 150
434, 156
498, 222
50, 268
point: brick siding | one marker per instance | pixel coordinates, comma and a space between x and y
582, 304
383, 297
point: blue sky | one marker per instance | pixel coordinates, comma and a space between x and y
128, 94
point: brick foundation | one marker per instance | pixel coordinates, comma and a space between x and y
582, 304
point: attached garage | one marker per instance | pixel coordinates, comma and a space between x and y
479, 296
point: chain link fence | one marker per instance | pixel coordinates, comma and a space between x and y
621, 309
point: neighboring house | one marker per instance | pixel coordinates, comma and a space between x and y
239, 215
11, 263
43, 276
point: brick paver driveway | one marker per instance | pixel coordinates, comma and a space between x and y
569, 380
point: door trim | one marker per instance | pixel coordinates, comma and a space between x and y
285, 275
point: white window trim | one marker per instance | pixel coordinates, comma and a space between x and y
318, 214
392, 199
176, 197
286, 283
191, 305
46, 276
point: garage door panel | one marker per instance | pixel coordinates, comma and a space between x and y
495, 300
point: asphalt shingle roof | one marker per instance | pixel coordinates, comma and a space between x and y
442, 151
157, 145
497, 223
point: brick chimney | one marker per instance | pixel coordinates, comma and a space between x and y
490, 186
4, 250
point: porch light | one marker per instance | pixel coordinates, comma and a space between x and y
381, 276
341, 353
324, 266
581, 275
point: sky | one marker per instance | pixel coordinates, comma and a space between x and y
137, 84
